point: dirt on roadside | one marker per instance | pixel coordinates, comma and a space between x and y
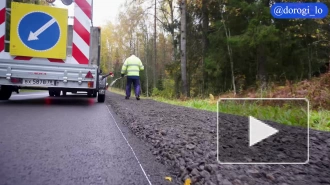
184, 139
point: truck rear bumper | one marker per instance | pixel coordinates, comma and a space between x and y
18, 73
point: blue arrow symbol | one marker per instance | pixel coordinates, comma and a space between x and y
34, 36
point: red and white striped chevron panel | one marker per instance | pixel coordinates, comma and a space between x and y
2, 25
81, 30
81, 35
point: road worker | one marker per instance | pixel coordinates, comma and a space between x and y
132, 67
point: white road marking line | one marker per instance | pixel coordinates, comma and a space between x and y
129, 146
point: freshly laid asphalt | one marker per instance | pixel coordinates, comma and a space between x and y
70, 140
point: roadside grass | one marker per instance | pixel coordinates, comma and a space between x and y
320, 120
117, 91
294, 116
122, 92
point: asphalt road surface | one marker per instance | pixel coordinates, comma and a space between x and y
70, 140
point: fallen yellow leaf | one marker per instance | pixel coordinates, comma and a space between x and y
169, 178
187, 182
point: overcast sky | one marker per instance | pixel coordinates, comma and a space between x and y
103, 10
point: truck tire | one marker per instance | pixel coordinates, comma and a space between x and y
101, 98
15, 89
94, 94
5, 92
57, 93
51, 93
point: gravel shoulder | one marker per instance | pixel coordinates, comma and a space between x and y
184, 140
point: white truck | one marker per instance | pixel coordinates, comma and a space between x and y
56, 76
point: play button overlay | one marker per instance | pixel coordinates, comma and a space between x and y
259, 131
263, 131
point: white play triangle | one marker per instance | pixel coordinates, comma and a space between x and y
259, 131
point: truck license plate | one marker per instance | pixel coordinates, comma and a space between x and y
38, 82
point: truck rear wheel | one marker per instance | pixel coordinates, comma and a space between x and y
57, 93
94, 94
101, 98
51, 93
5, 92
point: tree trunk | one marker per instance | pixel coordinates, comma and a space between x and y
155, 47
170, 2
262, 67
146, 58
137, 46
205, 25
164, 59
329, 65
173, 46
183, 49
309, 64
230, 54
232, 68
177, 85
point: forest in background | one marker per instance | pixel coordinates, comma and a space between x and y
202, 47
218, 46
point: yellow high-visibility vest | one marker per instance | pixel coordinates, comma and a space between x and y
132, 66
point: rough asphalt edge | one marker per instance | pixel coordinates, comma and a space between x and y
156, 171
202, 169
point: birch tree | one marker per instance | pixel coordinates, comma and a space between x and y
183, 7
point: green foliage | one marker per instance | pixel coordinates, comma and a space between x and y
320, 120
166, 93
160, 85
156, 92
167, 90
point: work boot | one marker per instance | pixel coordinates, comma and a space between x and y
137, 98
126, 97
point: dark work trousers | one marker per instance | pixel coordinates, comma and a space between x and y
136, 83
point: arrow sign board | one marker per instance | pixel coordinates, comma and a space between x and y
38, 31
43, 28
259, 131
39, 36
